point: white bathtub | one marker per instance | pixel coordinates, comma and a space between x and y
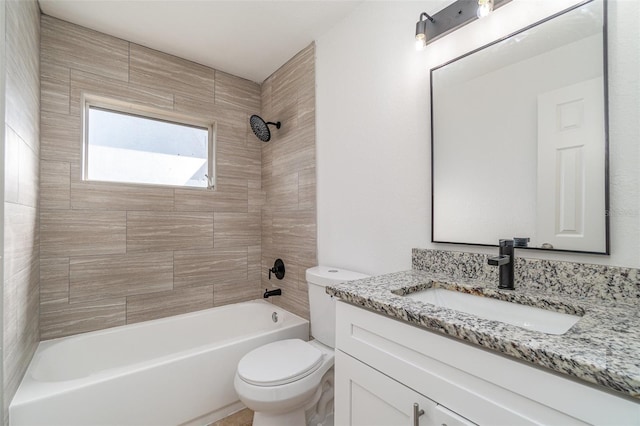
171, 371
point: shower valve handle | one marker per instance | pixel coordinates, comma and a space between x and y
278, 269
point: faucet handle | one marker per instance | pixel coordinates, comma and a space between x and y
499, 260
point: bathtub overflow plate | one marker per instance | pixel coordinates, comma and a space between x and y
274, 317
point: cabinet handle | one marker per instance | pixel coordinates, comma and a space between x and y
417, 412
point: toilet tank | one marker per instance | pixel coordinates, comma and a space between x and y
322, 307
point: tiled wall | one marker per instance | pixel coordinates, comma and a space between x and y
289, 179
22, 148
118, 254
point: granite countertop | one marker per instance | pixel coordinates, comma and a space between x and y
602, 348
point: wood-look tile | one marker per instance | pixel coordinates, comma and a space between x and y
295, 154
113, 196
73, 46
235, 292
61, 137
236, 230
235, 158
93, 278
282, 192
163, 231
11, 165
22, 84
236, 92
29, 177
159, 305
22, 107
307, 189
294, 234
206, 109
21, 335
209, 267
55, 185
266, 91
295, 297
298, 72
254, 260
63, 319
156, 69
83, 82
54, 280
21, 237
82, 233
54, 86
256, 196
230, 195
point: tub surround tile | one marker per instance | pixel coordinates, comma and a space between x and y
234, 292
55, 185
21, 237
98, 226
76, 47
93, 278
237, 93
76, 233
164, 304
112, 196
209, 267
230, 195
64, 319
84, 82
602, 348
148, 67
54, 280
236, 229
164, 231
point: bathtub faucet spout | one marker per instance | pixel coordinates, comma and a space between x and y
269, 293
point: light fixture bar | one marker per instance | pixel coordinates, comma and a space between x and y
454, 16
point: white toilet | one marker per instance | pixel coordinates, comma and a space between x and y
290, 382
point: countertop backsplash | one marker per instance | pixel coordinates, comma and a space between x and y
579, 280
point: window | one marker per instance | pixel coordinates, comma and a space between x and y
124, 144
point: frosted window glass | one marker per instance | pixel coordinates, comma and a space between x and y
129, 148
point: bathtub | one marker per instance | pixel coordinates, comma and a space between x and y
172, 371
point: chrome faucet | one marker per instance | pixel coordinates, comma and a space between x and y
505, 261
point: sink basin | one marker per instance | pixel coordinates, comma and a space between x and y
527, 317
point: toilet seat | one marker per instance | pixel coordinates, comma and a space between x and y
279, 363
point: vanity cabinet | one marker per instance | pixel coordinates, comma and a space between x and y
384, 366
378, 400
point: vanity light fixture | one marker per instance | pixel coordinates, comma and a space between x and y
421, 30
452, 17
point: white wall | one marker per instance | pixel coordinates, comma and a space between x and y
373, 152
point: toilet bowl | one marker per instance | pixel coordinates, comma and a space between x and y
281, 382
290, 382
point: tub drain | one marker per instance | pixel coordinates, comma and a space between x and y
274, 317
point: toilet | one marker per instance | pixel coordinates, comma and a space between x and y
290, 382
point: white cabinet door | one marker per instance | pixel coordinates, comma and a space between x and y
366, 397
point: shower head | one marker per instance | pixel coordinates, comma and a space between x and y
261, 128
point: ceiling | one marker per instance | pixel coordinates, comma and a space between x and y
247, 38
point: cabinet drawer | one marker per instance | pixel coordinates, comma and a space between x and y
479, 384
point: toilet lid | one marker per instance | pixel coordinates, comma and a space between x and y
280, 362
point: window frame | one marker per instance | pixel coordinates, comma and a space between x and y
151, 113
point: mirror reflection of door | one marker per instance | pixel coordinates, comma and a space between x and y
571, 161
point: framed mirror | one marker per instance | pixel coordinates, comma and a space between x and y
519, 138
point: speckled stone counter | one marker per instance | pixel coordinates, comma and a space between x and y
602, 348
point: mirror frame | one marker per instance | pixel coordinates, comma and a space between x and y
605, 76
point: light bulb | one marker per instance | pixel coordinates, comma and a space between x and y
420, 44
485, 7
